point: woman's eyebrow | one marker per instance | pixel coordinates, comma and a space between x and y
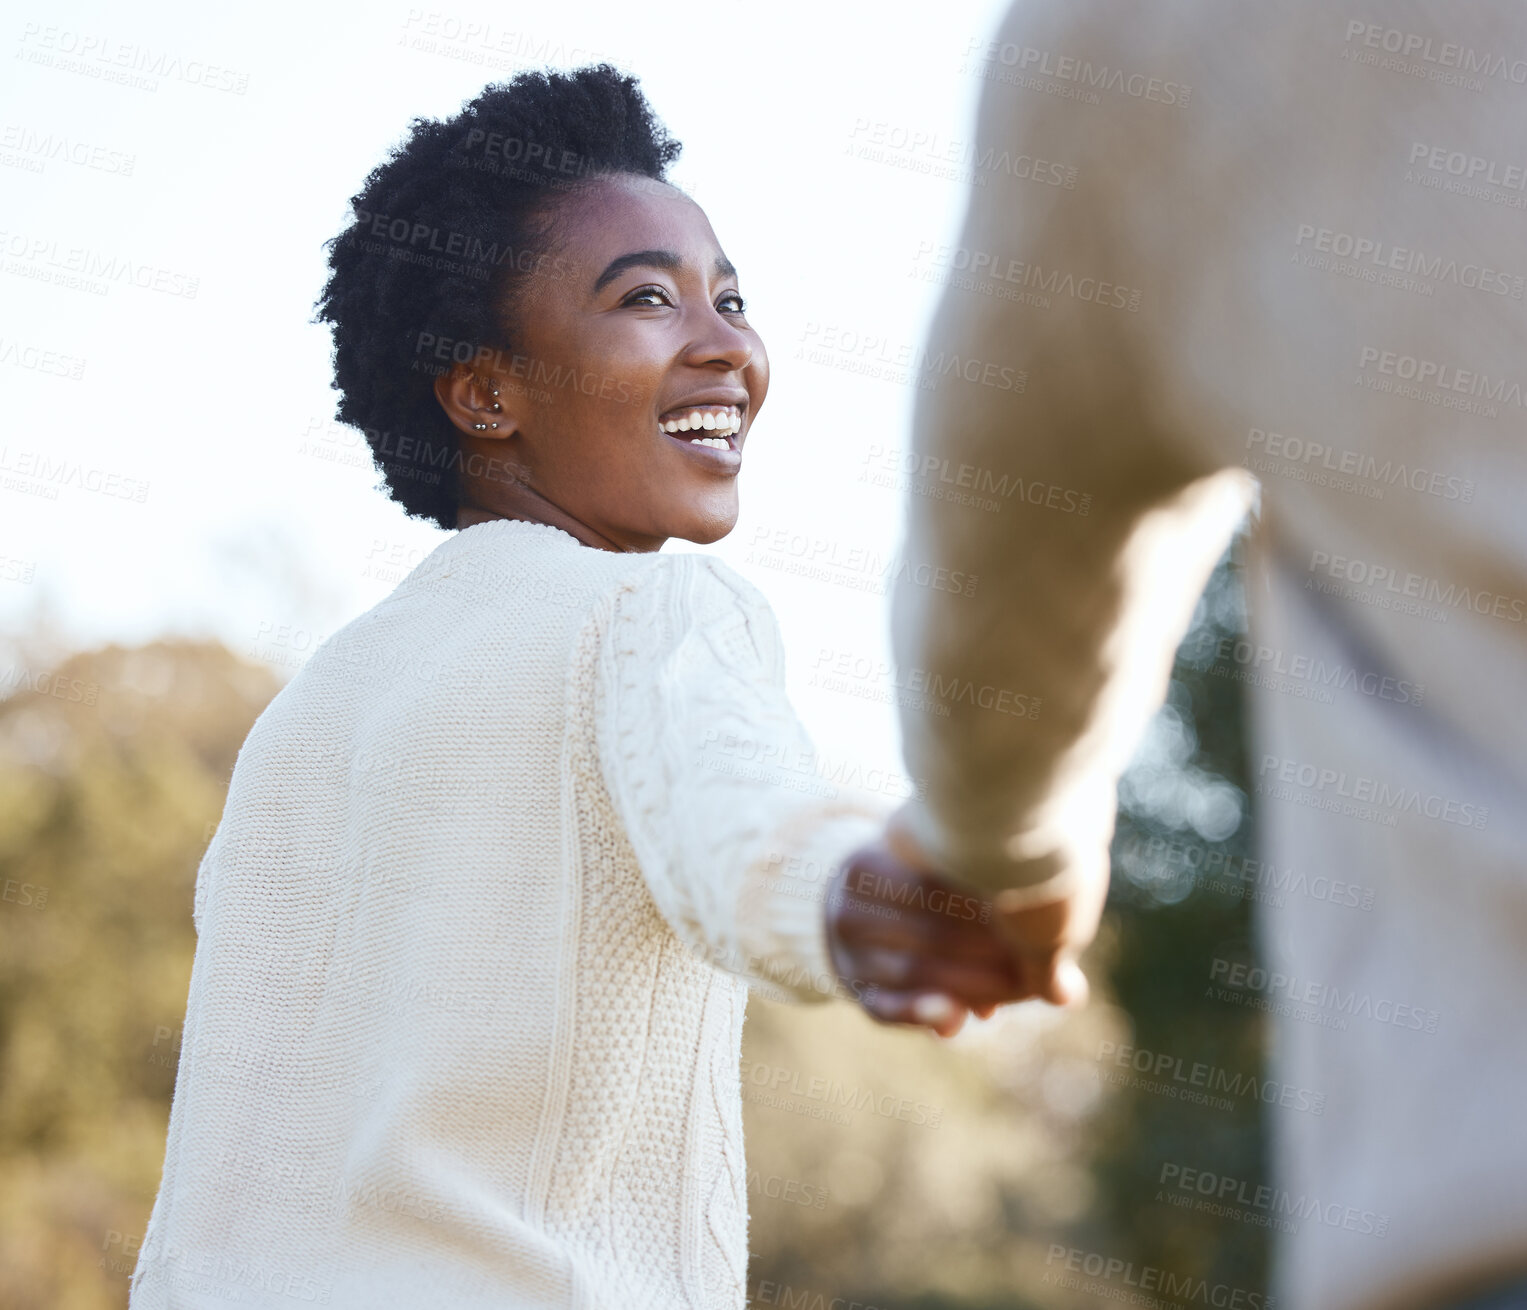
664, 259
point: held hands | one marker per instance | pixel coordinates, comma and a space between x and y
920, 949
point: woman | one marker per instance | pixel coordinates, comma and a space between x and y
499, 866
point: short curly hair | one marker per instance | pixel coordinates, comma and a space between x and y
443, 234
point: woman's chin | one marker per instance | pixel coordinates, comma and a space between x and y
708, 522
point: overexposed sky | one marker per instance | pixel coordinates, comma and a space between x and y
169, 172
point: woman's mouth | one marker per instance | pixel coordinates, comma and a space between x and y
711, 425
707, 428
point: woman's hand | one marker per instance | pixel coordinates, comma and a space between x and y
915, 947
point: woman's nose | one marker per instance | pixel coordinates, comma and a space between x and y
718, 341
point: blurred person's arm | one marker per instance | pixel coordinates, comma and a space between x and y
1056, 649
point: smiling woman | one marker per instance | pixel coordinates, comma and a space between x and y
646, 442
524, 313
500, 865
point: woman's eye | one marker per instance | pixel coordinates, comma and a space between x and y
738, 304
647, 296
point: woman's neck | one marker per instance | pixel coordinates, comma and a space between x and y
530, 507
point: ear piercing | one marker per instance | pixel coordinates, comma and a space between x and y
497, 408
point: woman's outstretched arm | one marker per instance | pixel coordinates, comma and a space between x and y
757, 863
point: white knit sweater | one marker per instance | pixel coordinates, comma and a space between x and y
456, 1035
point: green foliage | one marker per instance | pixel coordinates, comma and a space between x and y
1170, 924
113, 769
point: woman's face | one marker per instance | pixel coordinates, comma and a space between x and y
631, 331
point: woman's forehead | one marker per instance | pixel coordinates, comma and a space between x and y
615, 214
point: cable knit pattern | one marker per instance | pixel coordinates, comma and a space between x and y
495, 876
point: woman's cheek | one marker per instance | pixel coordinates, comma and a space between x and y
758, 380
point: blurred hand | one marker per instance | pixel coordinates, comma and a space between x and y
915, 947
1046, 938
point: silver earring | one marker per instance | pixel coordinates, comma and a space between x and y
480, 426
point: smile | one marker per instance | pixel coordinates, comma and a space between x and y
713, 426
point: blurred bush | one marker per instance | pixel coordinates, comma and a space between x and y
113, 768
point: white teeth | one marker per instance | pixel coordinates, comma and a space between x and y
727, 422
716, 443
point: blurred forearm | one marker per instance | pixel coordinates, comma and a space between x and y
1110, 516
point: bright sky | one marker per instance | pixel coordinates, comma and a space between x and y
188, 160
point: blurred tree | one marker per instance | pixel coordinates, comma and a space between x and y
113, 769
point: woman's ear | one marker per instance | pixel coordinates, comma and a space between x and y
474, 402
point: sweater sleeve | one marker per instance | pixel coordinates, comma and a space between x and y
1082, 585
714, 776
